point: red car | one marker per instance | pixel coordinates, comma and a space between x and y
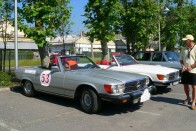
53, 58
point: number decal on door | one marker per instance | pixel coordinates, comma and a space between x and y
45, 78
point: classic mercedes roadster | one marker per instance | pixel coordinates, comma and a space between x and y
83, 80
159, 76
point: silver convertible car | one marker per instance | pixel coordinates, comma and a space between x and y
78, 77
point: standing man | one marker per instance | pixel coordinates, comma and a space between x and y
188, 61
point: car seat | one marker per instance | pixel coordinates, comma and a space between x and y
104, 62
72, 64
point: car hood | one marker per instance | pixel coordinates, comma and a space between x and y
109, 74
148, 69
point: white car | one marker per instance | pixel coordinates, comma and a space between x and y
160, 76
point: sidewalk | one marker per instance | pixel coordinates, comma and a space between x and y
4, 88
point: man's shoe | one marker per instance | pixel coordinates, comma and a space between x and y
193, 107
186, 101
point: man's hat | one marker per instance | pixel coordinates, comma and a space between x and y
188, 37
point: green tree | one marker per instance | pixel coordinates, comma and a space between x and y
139, 22
102, 16
64, 30
175, 23
39, 19
5, 12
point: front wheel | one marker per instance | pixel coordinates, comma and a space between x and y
90, 101
28, 89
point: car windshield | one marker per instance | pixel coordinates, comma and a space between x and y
171, 56
125, 60
77, 62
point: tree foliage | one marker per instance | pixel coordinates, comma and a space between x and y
40, 19
102, 16
179, 21
139, 22
5, 17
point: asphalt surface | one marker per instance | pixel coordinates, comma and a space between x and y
164, 112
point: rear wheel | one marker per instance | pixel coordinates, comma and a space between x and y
28, 89
90, 101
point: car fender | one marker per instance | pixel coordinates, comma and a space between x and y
82, 86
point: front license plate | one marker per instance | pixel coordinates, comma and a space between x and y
136, 100
145, 96
175, 83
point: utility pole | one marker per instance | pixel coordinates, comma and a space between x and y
16, 34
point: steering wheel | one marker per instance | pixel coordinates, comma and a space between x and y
89, 66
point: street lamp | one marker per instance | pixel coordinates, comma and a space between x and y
165, 10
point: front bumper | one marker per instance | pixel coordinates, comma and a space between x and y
131, 97
167, 83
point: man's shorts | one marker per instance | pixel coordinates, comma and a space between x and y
188, 78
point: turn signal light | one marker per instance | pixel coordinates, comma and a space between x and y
108, 88
124, 101
160, 77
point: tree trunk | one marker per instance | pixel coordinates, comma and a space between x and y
128, 45
9, 60
104, 48
44, 56
0, 60
4, 56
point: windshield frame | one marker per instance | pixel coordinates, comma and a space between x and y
77, 58
119, 63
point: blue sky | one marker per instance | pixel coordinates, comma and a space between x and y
78, 10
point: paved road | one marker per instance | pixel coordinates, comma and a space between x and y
164, 112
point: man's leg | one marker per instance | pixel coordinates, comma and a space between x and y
193, 107
186, 90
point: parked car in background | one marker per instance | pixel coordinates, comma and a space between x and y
160, 76
53, 58
163, 58
86, 82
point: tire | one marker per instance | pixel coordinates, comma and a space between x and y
28, 89
90, 101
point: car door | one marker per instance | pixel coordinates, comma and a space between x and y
50, 81
143, 57
158, 59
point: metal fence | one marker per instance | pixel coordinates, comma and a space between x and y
10, 54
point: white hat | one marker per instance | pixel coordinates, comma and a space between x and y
188, 37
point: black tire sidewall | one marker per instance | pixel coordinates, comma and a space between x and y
95, 101
32, 92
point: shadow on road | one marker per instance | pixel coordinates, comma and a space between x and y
16, 89
163, 90
107, 109
167, 100
170, 101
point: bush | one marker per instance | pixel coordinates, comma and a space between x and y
5, 78
29, 54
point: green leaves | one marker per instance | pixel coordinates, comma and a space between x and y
102, 17
41, 19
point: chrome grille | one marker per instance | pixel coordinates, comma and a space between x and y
173, 75
135, 85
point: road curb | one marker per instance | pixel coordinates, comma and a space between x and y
4, 89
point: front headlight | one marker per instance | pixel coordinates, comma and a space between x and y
147, 80
114, 88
